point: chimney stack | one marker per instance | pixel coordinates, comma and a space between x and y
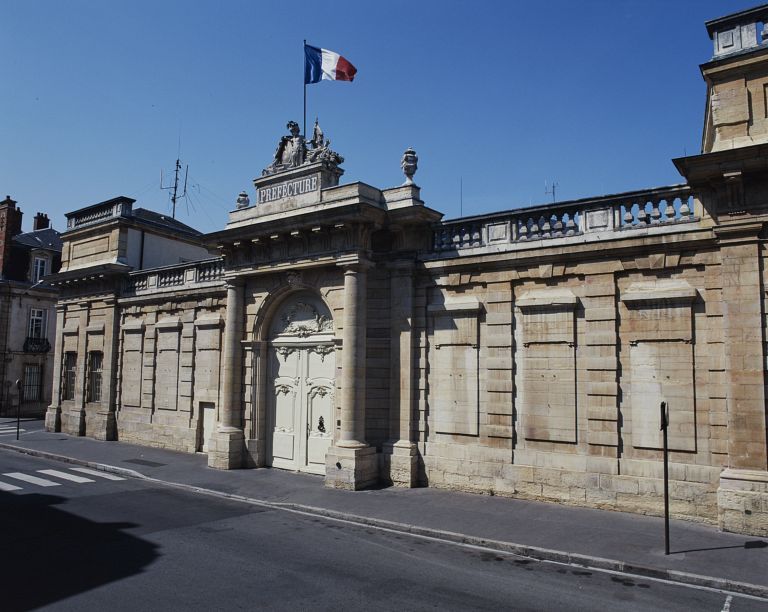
10, 225
41, 222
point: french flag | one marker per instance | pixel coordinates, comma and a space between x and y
325, 65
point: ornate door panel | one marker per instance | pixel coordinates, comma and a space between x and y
285, 364
321, 364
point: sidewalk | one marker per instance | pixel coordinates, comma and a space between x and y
602, 539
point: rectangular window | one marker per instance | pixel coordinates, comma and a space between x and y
32, 382
68, 376
37, 323
40, 269
95, 359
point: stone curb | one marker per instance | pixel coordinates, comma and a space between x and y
523, 550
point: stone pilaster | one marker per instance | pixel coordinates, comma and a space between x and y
104, 422
399, 454
350, 462
743, 493
73, 417
53, 414
227, 445
256, 445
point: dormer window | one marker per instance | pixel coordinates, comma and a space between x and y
40, 269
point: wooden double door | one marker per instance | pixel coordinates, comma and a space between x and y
301, 408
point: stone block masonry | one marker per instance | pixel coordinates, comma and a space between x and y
348, 331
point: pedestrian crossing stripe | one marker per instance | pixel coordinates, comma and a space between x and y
41, 482
5, 430
98, 473
65, 476
44, 482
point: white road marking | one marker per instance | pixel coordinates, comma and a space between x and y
98, 473
727, 604
10, 430
42, 482
8, 487
65, 476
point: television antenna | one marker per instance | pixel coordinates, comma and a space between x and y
551, 190
175, 187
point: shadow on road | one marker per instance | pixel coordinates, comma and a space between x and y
49, 554
747, 545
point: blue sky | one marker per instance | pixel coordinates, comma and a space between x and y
597, 95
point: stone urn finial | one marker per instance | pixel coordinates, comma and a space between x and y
409, 164
243, 201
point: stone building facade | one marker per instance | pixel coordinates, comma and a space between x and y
27, 311
347, 331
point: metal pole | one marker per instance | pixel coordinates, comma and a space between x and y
18, 409
304, 79
664, 426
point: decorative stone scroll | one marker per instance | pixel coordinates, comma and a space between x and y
303, 320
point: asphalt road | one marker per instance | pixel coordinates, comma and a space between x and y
85, 542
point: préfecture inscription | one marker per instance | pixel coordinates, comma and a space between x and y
288, 189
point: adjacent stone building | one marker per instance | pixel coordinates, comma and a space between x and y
346, 330
27, 309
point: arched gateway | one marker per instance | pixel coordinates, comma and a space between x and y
301, 368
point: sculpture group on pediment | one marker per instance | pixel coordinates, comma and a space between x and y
292, 150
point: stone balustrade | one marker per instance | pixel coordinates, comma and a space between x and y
116, 207
194, 275
609, 214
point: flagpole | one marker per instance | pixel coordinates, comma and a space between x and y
304, 124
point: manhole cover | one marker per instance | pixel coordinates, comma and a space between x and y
144, 462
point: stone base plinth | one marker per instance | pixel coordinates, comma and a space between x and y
351, 468
53, 419
399, 464
742, 501
102, 425
226, 449
73, 422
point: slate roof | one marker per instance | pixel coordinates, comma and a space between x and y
164, 220
47, 238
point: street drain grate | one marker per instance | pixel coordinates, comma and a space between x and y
144, 462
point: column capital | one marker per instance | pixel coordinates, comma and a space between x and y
234, 282
358, 265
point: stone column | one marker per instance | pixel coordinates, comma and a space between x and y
352, 433
351, 463
227, 444
53, 414
400, 456
742, 497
